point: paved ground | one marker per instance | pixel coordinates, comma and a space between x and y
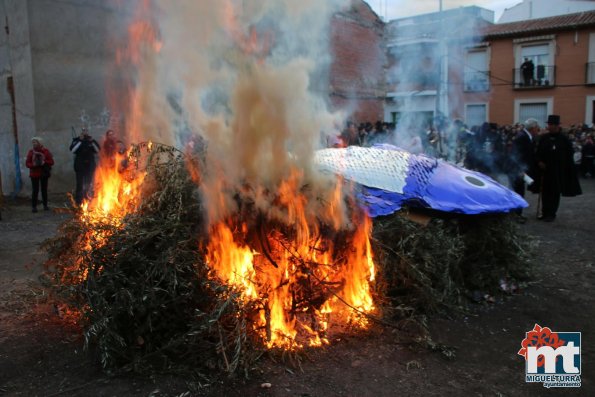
40, 355
21, 233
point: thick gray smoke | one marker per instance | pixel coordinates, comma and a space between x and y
240, 74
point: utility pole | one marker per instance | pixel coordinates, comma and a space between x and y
441, 88
10, 87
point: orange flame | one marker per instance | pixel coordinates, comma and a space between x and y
235, 261
299, 274
116, 191
360, 270
296, 277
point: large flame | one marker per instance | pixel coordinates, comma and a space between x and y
297, 260
116, 191
294, 272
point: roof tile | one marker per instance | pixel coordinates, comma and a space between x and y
560, 22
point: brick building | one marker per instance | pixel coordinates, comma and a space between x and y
357, 71
485, 62
561, 79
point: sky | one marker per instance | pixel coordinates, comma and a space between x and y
404, 8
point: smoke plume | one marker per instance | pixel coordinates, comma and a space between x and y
249, 77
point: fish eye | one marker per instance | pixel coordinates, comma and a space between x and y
474, 181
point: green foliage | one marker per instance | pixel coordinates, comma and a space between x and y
432, 267
146, 300
418, 265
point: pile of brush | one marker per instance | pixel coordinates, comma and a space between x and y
141, 291
145, 300
448, 261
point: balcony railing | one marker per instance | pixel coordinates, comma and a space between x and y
476, 81
542, 77
590, 73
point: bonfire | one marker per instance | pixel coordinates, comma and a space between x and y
151, 283
207, 256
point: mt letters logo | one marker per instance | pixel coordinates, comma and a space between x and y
552, 358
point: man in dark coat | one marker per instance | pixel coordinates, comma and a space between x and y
84, 148
557, 171
528, 68
523, 158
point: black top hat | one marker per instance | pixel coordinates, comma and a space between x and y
553, 119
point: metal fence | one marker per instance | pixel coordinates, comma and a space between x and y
542, 76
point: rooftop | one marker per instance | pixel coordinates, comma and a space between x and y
561, 22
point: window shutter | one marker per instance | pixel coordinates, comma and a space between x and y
537, 111
476, 115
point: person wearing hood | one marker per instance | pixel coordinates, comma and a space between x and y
40, 162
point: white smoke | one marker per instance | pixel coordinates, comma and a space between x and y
416, 55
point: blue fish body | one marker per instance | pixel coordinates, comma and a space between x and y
390, 177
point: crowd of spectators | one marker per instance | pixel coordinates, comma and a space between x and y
486, 148
582, 137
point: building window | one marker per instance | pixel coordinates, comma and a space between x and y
476, 114
536, 111
537, 108
476, 76
534, 66
591, 64
590, 113
414, 65
591, 73
393, 117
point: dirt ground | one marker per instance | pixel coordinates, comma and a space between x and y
41, 355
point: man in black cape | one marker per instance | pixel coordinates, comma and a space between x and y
557, 174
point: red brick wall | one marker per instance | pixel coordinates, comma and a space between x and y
357, 70
569, 102
502, 63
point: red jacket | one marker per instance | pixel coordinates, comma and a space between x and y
35, 165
